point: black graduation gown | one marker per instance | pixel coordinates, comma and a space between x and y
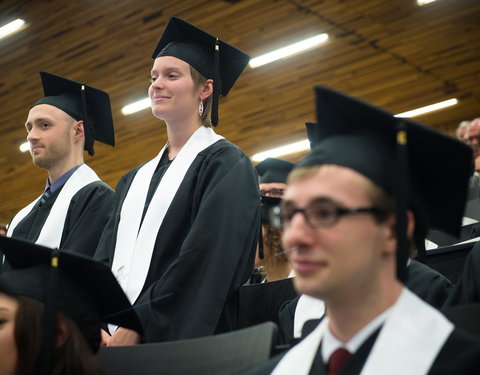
467, 287
459, 355
88, 213
428, 284
204, 250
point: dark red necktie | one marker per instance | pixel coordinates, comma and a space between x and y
337, 360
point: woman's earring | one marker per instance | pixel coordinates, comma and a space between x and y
200, 108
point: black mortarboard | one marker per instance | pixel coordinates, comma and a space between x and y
273, 170
213, 58
83, 289
81, 102
403, 157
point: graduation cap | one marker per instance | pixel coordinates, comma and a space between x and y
82, 102
273, 170
80, 287
403, 157
213, 58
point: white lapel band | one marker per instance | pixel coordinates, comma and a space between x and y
51, 232
134, 243
408, 343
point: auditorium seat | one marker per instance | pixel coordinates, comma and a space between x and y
260, 303
449, 260
228, 353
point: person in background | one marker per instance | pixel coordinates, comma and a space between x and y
3, 229
347, 230
462, 130
51, 306
182, 238
76, 204
271, 264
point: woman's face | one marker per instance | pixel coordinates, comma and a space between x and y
172, 92
8, 346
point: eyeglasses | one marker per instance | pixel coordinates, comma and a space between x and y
273, 192
321, 212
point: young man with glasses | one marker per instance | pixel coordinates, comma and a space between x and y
345, 230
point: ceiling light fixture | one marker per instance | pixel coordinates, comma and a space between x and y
289, 50
136, 106
305, 145
428, 108
283, 150
11, 28
424, 2
24, 147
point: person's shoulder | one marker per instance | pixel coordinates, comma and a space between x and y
459, 355
223, 146
95, 187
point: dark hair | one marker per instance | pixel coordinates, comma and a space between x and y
73, 357
272, 239
199, 80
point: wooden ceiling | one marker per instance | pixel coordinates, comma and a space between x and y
392, 53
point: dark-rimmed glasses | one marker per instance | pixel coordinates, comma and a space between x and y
321, 212
275, 192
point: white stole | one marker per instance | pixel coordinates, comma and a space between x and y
408, 343
51, 232
134, 243
307, 308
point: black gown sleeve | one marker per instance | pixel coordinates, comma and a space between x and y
428, 284
88, 213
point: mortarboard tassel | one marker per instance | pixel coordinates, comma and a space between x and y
216, 82
50, 315
401, 207
88, 128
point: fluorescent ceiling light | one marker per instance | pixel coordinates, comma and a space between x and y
305, 144
428, 108
11, 28
289, 50
24, 147
137, 106
424, 2
283, 150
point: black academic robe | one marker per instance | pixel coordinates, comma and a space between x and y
88, 213
428, 284
204, 249
459, 355
467, 287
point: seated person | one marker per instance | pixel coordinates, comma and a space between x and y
467, 287
346, 230
271, 264
50, 316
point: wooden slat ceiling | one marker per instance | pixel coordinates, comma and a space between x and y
389, 52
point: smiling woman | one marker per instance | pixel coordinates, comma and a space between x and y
186, 223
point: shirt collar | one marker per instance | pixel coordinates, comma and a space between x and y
62, 180
330, 343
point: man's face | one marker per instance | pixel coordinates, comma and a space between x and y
273, 189
50, 133
473, 135
347, 256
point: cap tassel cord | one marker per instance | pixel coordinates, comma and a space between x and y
216, 82
401, 208
89, 130
50, 315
